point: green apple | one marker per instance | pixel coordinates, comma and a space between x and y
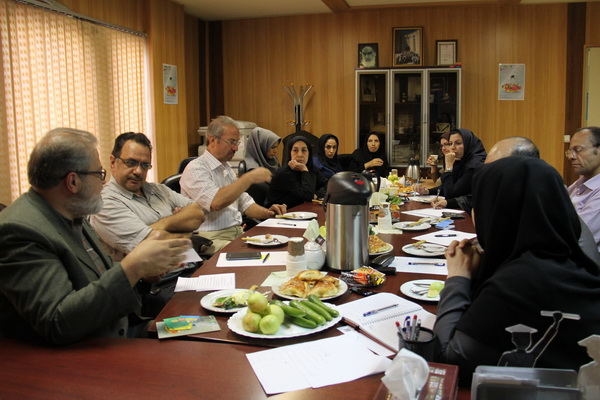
269, 324
277, 311
257, 302
251, 322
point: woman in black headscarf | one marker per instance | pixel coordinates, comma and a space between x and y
299, 181
370, 156
531, 262
326, 159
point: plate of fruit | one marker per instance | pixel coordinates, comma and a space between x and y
423, 289
283, 319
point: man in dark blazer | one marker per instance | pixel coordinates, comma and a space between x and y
56, 283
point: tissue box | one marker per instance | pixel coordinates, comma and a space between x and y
514, 383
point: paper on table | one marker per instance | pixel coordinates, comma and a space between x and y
286, 223
315, 364
191, 256
275, 278
392, 230
366, 341
445, 241
431, 212
276, 258
420, 265
206, 282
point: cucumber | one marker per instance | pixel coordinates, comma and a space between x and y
316, 308
316, 300
303, 322
309, 312
289, 311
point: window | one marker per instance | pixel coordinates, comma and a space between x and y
58, 71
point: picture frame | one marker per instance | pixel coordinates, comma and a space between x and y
368, 55
407, 46
368, 90
446, 52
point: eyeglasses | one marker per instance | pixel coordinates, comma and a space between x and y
135, 163
101, 173
230, 142
576, 150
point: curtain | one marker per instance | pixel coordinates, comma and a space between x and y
58, 71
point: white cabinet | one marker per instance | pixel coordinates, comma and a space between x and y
392, 102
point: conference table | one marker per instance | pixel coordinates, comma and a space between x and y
210, 365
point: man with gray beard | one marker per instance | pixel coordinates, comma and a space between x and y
56, 283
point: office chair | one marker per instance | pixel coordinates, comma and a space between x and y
173, 182
242, 168
184, 163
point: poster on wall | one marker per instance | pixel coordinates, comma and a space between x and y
170, 84
511, 82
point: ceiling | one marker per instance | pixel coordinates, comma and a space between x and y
217, 10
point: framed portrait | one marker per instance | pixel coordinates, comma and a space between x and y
446, 52
368, 90
368, 55
408, 46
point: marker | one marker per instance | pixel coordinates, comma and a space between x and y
283, 223
437, 264
265, 259
451, 235
373, 312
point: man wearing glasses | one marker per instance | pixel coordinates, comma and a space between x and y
210, 181
584, 155
56, 282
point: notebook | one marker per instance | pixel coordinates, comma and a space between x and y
381, 326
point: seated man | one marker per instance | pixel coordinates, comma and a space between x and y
56, 282
134, 208
584, 155
210, 181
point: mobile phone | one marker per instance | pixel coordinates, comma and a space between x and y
244, 255
362, 292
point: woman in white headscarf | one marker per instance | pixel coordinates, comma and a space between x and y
261, 147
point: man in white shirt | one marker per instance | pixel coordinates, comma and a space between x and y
210, 181
584, 155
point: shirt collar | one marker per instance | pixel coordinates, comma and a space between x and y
146, 188
212, 161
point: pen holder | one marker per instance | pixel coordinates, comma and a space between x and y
422, 345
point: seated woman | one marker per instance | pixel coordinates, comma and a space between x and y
531, 262
326, 159
260, 152
370, 156
300, 180
436, 172
466, 155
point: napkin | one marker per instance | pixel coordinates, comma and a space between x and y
406, 375
377, 198
312, 231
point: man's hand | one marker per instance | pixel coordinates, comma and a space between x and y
257, 175
278, 209
462, 258
296, 166
154, 257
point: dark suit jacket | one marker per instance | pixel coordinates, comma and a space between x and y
49, 286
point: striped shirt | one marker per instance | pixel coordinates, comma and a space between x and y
201, 180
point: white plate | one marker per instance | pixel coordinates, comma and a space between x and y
425, 199
425, 250
261, 240
276, 289
406, 289
300, 215
208, 299
405, 225
388, 249
287, 330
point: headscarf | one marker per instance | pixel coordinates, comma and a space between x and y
362, 155
259, 143
331, 163
445, 135
474, 154
521, 205
309, 162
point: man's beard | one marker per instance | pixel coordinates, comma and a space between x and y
85, 202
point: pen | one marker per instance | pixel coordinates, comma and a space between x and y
437, 264
372, 312
265, 259
437, 195
284, 223
450, 235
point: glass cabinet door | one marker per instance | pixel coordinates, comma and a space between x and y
406, 116
443, 110
372, 87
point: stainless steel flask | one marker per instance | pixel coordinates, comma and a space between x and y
347, 220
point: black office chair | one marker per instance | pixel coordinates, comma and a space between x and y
173, 182
184, 163
344, 160
242, 169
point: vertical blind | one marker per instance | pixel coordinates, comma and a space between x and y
58, 71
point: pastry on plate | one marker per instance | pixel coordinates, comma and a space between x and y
295, 287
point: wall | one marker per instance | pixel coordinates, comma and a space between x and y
171, 38
261, 55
